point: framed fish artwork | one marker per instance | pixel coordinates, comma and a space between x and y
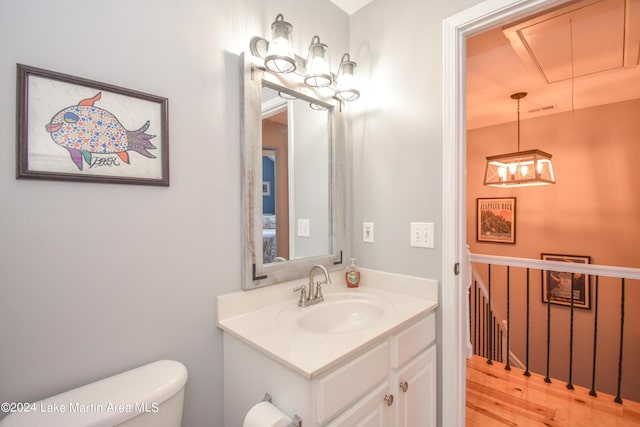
75, 129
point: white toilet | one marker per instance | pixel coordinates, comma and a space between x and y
149, 396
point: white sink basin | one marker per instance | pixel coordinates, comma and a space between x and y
340, 312
341, 316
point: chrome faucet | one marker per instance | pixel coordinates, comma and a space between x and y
314, 293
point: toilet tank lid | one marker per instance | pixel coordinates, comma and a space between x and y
108, 401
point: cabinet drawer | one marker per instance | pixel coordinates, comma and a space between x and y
413, 340
348, 383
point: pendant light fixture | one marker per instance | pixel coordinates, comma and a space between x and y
346, 90
279, 57
519, 169
318, 70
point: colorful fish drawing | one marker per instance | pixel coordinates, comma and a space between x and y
85, 129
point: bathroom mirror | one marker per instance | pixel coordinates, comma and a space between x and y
293, 177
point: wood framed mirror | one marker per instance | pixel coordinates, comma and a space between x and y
293, 186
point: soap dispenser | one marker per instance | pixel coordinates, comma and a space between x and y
352, 275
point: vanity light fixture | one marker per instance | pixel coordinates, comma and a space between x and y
519, 169
279, 57
315, 71
346, 81
318, 71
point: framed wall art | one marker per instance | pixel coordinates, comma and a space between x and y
496, 220
557, 286
75, 129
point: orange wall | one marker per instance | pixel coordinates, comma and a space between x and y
593, 209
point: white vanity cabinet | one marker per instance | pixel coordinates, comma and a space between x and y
416, 392
408, 396
415, 374
392, 382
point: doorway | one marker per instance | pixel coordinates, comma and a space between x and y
455, 273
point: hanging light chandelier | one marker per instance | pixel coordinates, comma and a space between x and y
519, 169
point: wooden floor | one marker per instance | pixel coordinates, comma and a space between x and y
496, 397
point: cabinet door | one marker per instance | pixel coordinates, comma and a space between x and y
416, 391
370, 411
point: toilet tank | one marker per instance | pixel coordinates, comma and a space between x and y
151, 395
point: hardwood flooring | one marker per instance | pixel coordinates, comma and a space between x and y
496, 397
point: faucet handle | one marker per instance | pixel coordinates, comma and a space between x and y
319, 295
303, 295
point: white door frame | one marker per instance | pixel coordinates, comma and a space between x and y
481, 17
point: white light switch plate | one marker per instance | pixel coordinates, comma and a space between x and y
367, 232
422, 235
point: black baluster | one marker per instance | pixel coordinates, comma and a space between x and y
618, 399
526, 372
475, 317
489, 316
483, 326
508, 366
500, 343
570, 383
547, 379
470, 325
478, 321
592, 392
494, 337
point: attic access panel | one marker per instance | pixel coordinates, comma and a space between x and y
573, 41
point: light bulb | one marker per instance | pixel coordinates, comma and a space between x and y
523, 170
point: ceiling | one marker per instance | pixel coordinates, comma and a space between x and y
583, 54
350, 6
580, 55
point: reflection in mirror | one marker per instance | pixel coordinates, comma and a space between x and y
293, 178
296, 176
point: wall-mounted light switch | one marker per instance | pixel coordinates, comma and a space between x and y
422, 235
304, 228
367, 232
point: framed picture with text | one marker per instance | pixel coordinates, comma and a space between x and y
557, 286
496, 220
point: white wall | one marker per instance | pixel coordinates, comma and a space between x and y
397, 130
397, 136
84, 295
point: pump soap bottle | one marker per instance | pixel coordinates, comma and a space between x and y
352, 275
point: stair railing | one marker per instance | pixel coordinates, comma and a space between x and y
624, 274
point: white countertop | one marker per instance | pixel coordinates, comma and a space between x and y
265, 319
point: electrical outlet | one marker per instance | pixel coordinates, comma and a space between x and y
422, 235
367, 232
304, 228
